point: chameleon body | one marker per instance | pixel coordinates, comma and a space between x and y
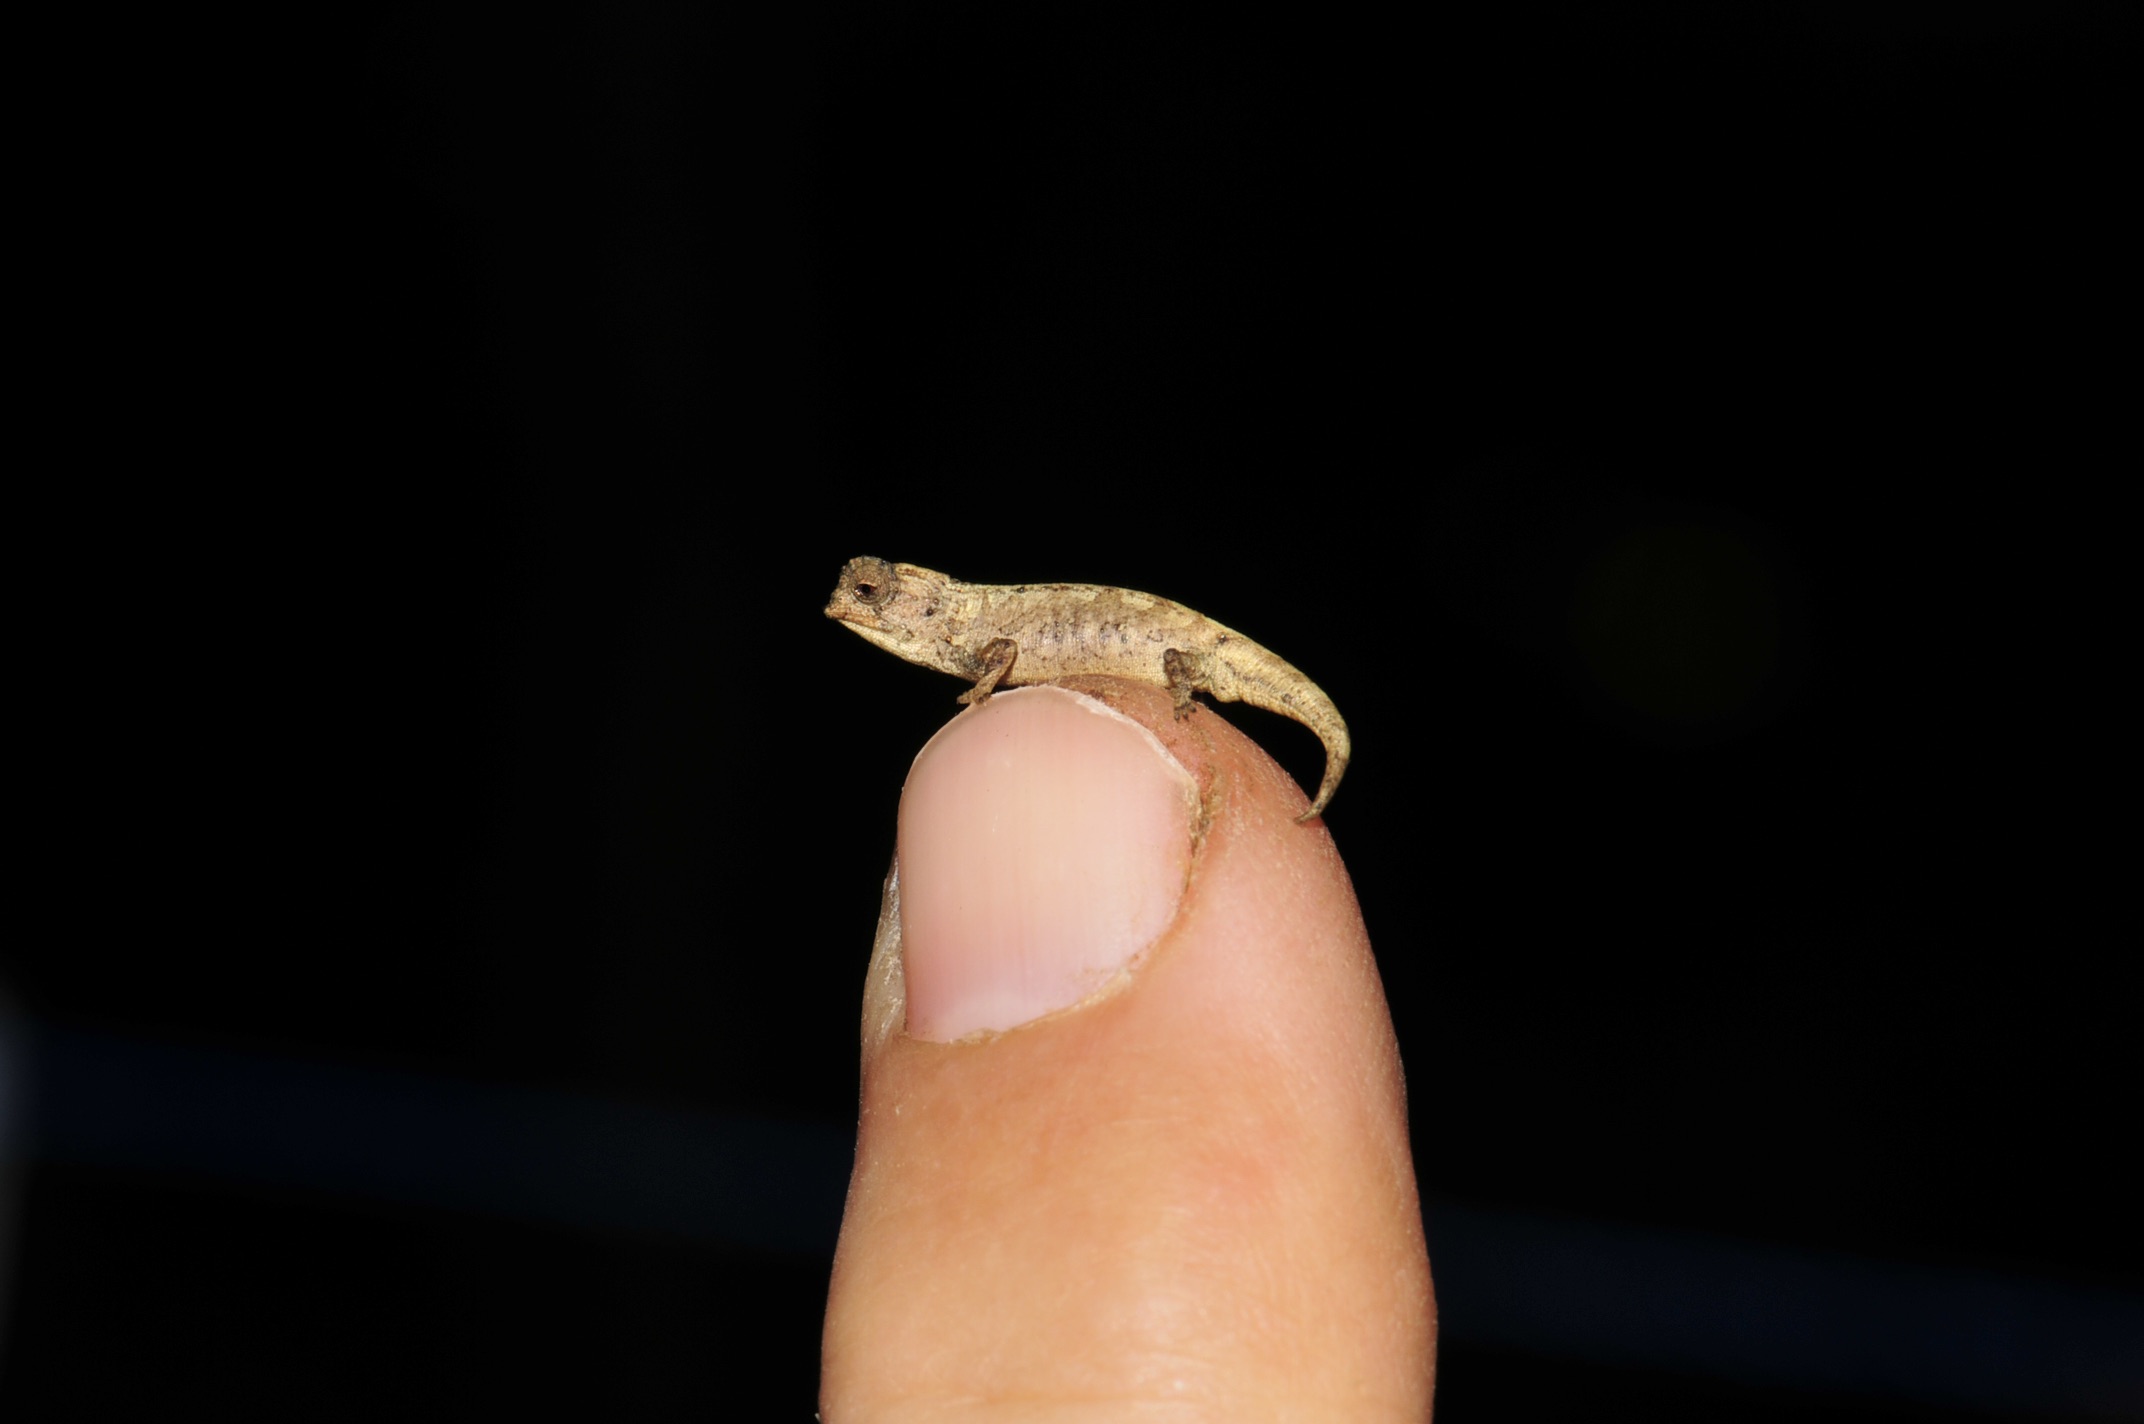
1014, 634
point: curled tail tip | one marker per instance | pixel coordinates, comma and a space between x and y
1324, 798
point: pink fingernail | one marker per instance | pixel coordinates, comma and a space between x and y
1044, 842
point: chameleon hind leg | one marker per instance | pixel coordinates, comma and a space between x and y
1185, 674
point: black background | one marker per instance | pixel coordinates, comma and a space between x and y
1655, 430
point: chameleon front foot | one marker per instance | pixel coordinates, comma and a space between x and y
996, 661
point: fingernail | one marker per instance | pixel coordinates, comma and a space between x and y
1044, 842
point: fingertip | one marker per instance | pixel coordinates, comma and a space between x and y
1207, 1162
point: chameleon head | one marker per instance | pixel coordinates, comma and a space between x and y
892, 605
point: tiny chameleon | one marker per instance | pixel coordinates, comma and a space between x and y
1015, 634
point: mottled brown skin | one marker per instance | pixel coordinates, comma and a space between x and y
1011, 635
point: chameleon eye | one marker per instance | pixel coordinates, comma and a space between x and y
871, 582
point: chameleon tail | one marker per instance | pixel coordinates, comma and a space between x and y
1253, 675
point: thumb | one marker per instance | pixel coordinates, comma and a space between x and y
1133, 1140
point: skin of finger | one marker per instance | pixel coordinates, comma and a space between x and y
1191, 1198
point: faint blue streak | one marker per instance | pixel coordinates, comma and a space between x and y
1772, 1315
538, 1156
1650, 1300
